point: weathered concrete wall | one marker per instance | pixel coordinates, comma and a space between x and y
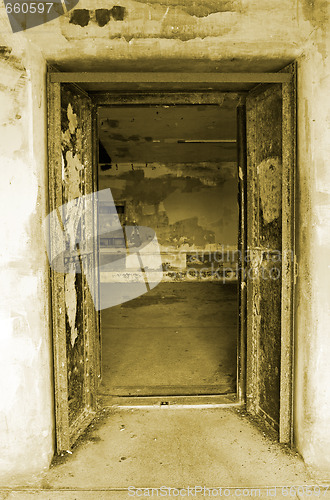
186, 192
192, 207
177, 35
26, 413
245, 35
312, 397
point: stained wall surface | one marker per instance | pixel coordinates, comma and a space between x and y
26, 403
237, 35
312, 397
186, 191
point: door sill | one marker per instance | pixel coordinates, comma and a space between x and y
207, 401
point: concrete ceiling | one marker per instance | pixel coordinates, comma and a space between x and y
151, 133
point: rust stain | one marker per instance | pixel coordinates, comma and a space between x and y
71, 152
80, 17
111, 123
102, 16
199, 9
270, 188
118, 13
71, 305
317, 12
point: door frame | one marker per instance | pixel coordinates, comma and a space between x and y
288, 271
67, 432
152, 95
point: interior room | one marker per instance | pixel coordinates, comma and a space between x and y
173, 169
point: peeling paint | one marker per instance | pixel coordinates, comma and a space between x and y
72, 117
76, 167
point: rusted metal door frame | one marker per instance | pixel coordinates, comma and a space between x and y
95, 155
57, 279
185, 97
242, 249
166, 77
285, 428
289, 132
66, 432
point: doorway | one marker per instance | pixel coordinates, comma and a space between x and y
173, 168
265, 175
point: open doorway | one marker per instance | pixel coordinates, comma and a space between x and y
266, 165
174, 169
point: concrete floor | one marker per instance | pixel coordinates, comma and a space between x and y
184, 335
172, 447
180, 338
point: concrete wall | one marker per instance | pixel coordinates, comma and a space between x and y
192, 206
26, 406
254, 35
312, 398
186, 192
